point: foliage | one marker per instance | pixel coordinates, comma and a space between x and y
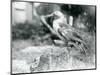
27, 31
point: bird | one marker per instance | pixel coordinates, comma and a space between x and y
71, 35
67, 33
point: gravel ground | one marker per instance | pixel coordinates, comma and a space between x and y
27, 58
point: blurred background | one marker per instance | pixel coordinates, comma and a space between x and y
26, 22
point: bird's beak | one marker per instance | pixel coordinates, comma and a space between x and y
55, 17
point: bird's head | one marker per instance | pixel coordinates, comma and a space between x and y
57, 15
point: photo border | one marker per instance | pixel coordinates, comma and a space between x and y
51, 71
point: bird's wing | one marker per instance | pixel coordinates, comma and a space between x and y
70, 33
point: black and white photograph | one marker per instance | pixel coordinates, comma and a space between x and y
52, 37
